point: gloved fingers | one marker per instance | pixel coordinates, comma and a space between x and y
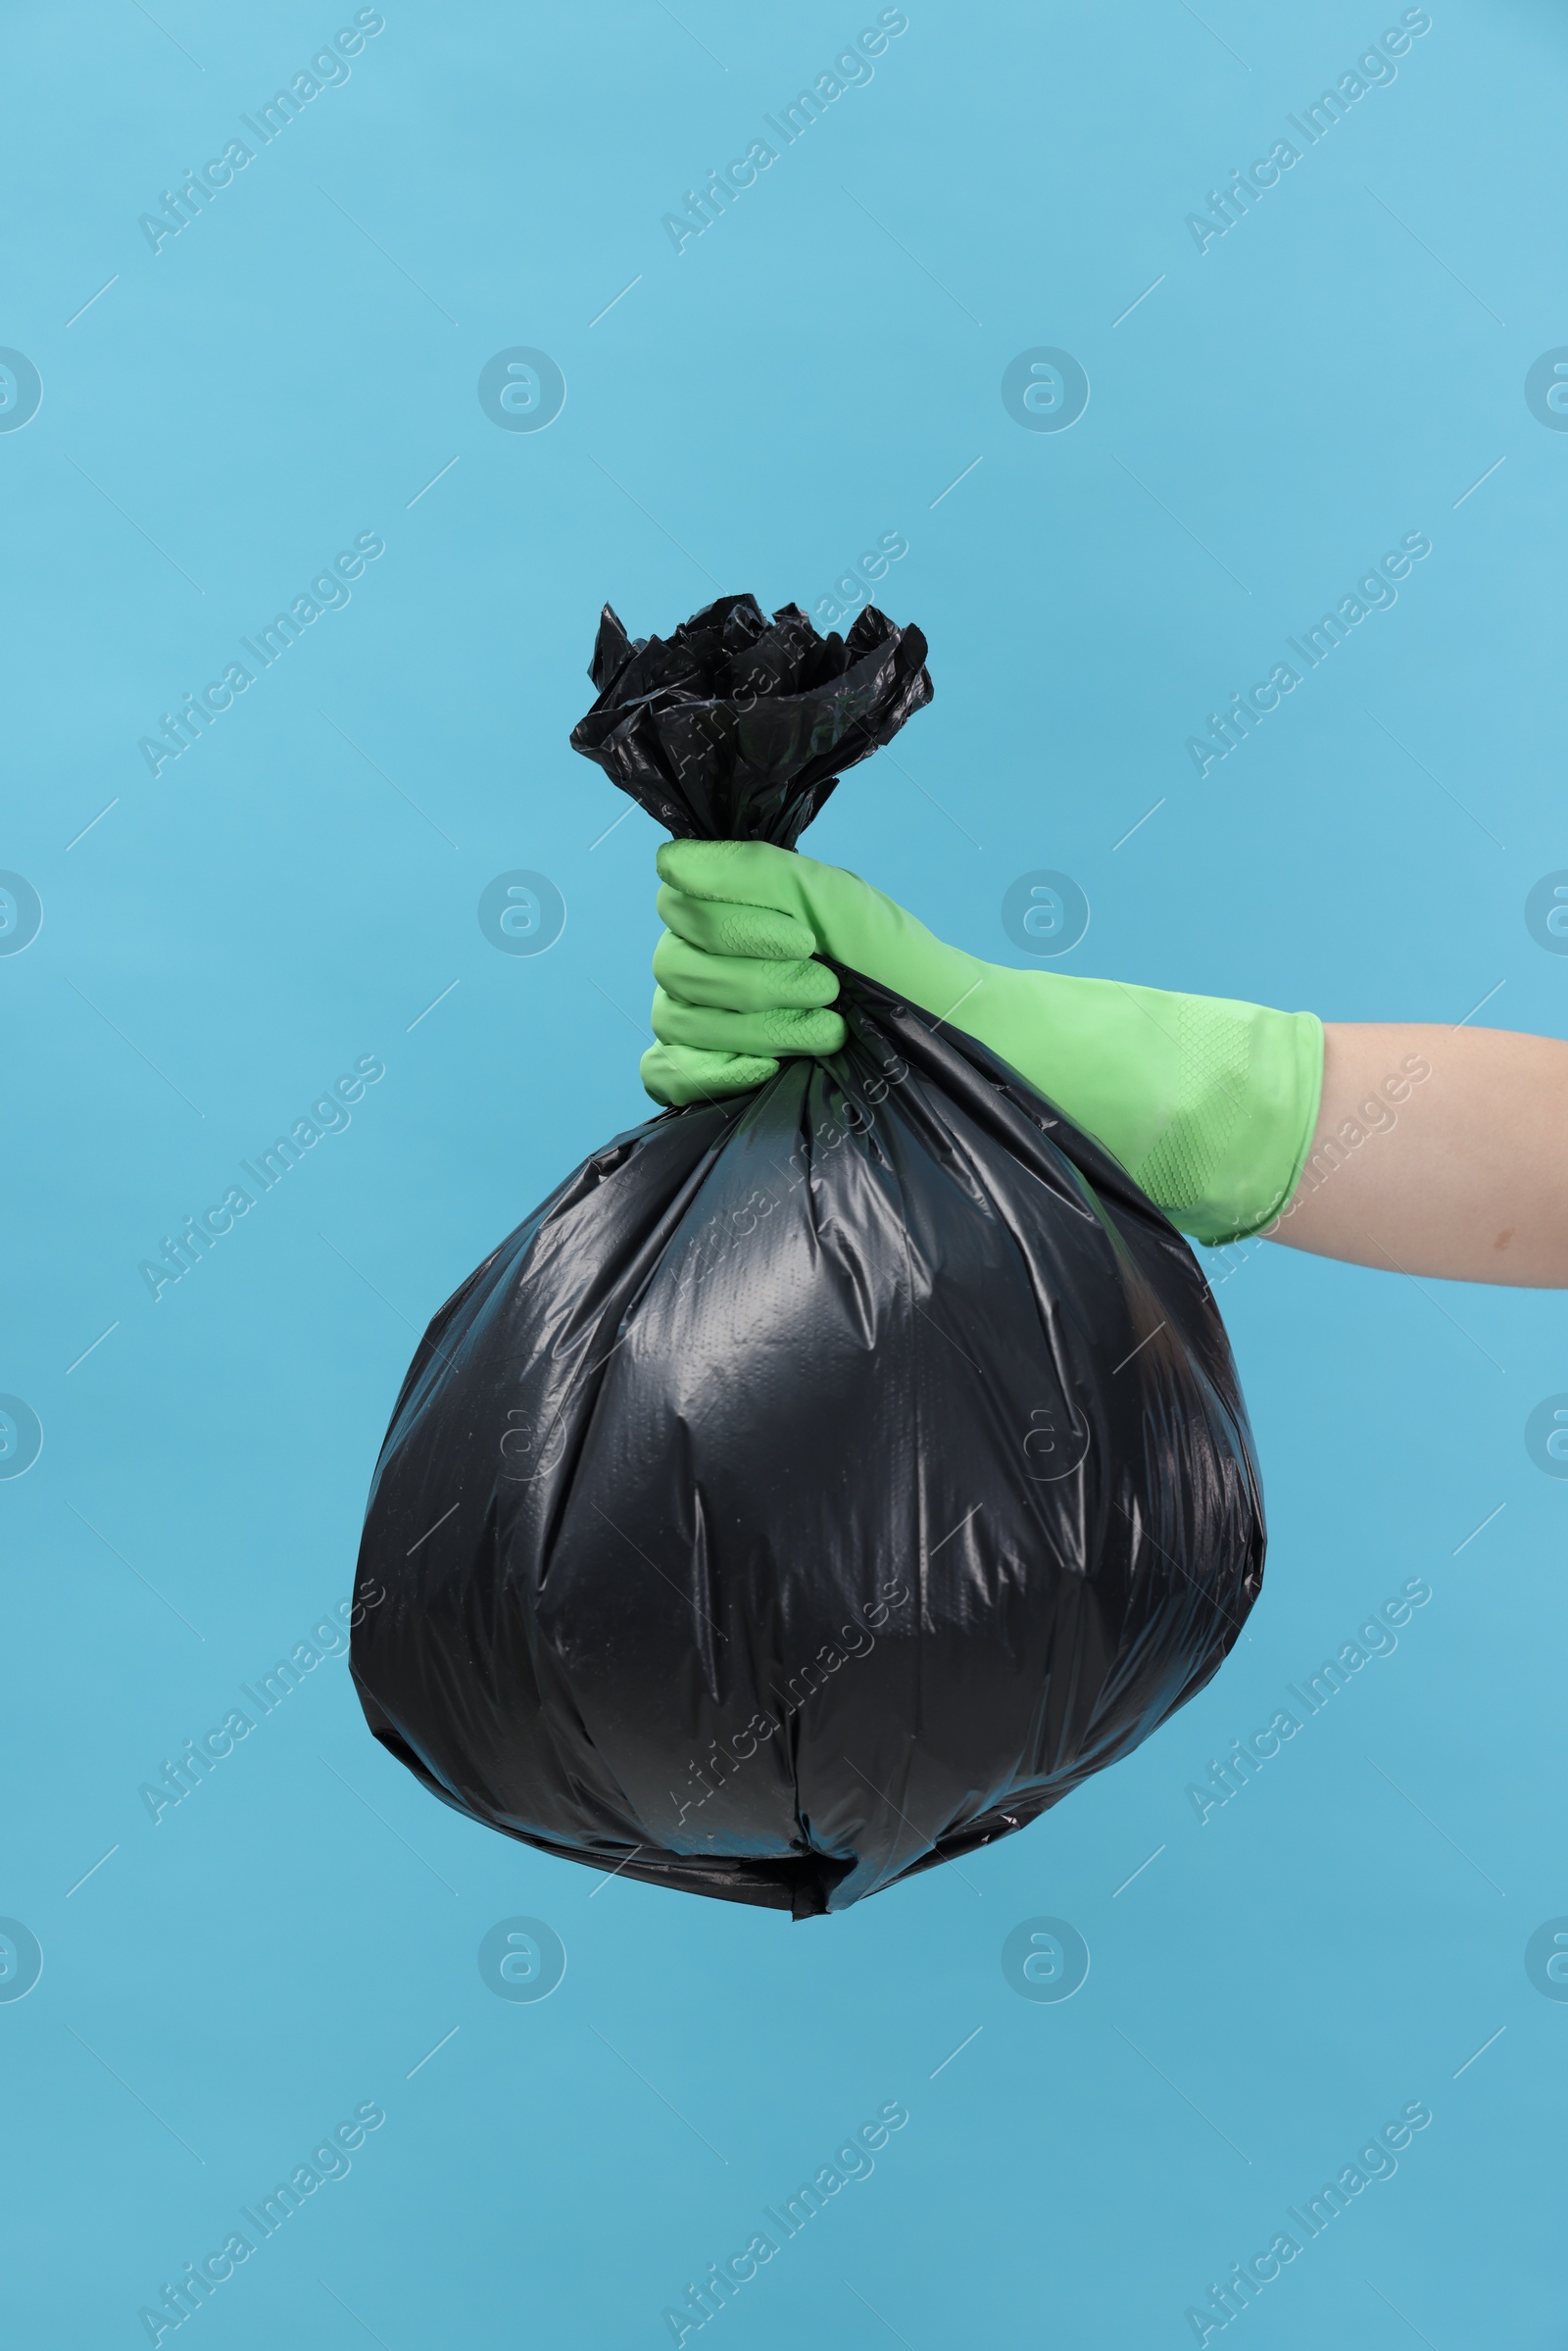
678, 1074
753, 873
748, 873
720, 928
766, 1034
740, 983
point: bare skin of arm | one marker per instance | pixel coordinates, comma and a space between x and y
1440, 1151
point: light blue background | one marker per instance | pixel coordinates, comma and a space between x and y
292, 1939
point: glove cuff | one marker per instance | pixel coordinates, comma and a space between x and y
1251, 1080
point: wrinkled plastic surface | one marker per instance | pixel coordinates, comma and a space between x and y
737, 728
820, 1483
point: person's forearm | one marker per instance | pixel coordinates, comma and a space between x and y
1441, 1151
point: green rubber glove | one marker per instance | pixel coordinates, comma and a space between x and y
1208, 1103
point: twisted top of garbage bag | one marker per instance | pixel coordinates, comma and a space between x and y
737, 728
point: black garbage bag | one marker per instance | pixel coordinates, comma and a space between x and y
820, 1483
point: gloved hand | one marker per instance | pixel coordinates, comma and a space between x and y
1208, 1103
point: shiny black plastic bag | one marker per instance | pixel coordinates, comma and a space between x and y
820, 1483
